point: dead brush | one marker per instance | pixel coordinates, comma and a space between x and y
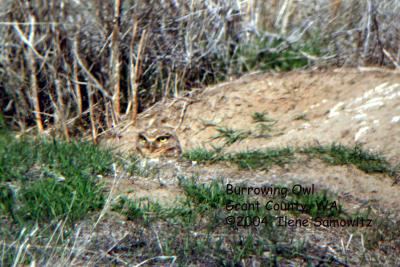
96, 63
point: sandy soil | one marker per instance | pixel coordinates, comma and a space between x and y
342, 106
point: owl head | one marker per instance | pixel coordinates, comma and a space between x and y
156, 143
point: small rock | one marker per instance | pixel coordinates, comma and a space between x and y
395, 119
361, 132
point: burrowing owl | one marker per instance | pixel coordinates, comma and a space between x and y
158, 142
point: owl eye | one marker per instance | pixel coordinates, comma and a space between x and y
163, 139
142, 139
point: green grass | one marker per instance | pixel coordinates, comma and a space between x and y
143, 209
202, 210
334, 154
320, 204
264, 124
206, 196
261, 117
277, 55
46, 186
337, 154
42, 180
231, 136
201, 155
260, 159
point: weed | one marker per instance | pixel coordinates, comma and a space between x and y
264, 129
337, 154
201, 155
264, 124
231, 136
259, 159
262, 159
142, 209
302, 116
261, 117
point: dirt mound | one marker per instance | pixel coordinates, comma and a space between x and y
346, 106
342, 106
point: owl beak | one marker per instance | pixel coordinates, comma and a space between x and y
152, 147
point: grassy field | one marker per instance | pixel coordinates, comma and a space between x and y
48, 187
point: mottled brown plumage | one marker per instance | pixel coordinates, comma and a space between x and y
158, 142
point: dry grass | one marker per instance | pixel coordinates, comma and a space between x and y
72, 67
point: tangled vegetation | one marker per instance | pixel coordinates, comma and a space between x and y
76, 67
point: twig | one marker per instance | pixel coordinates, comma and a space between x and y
392, 59
90, 75
158, 258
